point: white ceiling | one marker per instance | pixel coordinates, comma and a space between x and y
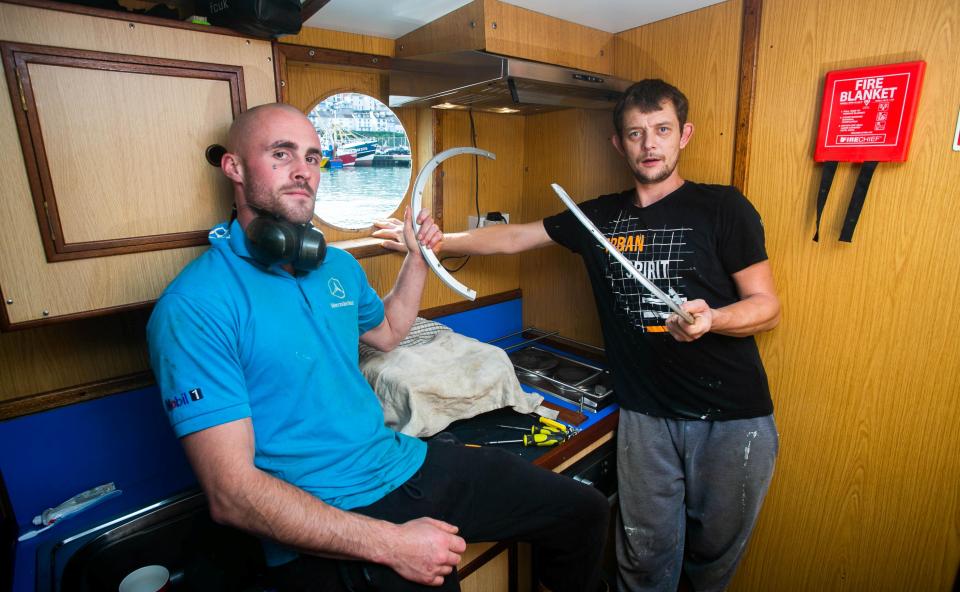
395, 18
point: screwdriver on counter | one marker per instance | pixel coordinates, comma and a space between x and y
535, 429
533, 440
557, 426
549, 427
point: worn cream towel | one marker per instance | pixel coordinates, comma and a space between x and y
426, 386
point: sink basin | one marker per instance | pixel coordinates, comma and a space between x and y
178, 534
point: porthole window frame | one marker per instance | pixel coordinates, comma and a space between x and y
396, 211
362, 245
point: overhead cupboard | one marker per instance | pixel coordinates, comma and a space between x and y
107, 194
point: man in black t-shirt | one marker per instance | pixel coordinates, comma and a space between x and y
696, 438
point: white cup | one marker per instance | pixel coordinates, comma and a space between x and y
152, 578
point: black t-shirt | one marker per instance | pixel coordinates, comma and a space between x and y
688, 243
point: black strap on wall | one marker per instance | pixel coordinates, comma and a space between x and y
826, 180
856, 200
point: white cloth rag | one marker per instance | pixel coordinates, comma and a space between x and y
425, 387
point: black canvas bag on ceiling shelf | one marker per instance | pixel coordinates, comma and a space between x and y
259, 18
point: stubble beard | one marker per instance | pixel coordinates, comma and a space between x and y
645, 178
263, 198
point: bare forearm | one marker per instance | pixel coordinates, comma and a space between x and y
271, 508
422, 550
500, 239
749, 316
401, 305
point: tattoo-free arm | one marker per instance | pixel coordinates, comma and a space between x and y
241, 495
758, 309
498, 239
401, 305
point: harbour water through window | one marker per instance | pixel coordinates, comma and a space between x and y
366, 165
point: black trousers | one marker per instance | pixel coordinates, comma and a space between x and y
490, 495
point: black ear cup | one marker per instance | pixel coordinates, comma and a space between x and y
313, 249
273, 241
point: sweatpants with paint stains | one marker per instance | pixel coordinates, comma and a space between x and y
690, 493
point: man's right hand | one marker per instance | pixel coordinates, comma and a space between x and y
427, 550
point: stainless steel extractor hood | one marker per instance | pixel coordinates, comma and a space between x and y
488, 82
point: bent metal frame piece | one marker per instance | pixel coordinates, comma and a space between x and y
425, 174
619, 256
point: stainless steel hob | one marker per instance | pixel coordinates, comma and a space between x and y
564, 377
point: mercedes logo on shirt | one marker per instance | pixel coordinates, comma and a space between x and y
336, 289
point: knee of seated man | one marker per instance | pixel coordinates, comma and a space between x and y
585, 503
597, 506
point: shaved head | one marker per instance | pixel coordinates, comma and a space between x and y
242, 126
274, 162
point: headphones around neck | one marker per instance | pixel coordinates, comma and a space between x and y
271, 240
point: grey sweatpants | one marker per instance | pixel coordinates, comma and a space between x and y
688, 484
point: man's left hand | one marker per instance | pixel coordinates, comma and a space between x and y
430, 235
702, 321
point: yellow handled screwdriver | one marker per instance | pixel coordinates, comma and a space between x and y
556, 426
535, 429
533, 440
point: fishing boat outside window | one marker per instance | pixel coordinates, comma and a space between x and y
365, 170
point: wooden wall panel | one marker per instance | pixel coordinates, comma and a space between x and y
494, 575
460, 29
308, 84
571, 148
138, 277
866, 492
50, 27
514, 31
84, 351
80, 352
506, 29
698, 52
80, 111
338, 40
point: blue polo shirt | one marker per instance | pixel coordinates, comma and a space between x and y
231, 339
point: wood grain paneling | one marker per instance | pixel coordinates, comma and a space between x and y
514, 31
90, 351
48, 358
338, 40
571, 148
506, 29
865, 495
72, 287
746, 94
698, 52
494, 575
86, 173
460, 29
308, 84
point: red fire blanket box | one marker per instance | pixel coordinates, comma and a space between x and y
867, 117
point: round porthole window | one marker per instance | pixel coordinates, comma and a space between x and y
366, 164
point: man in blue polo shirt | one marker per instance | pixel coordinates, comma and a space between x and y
256, 358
